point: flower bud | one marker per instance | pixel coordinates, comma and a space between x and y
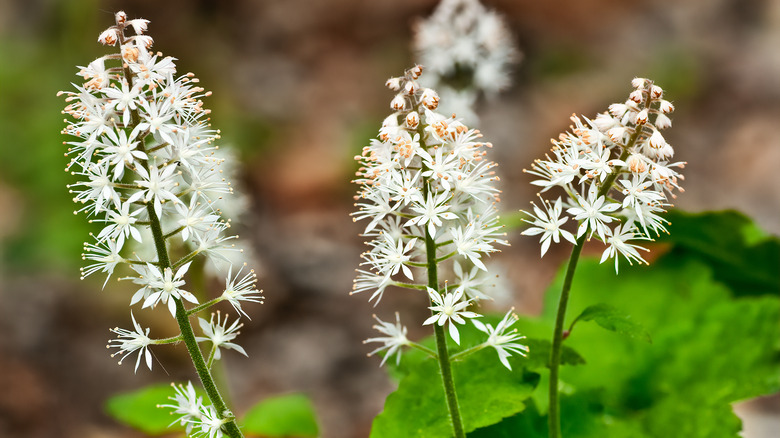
636, 163
393, 84
638, 83
411, 87
657, 140
662, 121
398, 103
430, 99
139, 25
641, 117
656, 92
666, 107
416, 71
636, 96
412, 119
120, 17
109, 37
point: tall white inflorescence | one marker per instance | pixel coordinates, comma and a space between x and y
467, 50
617, 175
149, 172
426, 176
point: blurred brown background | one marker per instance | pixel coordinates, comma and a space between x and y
298, 90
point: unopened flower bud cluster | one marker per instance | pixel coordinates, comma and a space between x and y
467, 50
144, 154
426, 176
617, 175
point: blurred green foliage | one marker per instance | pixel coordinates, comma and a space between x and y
714, 343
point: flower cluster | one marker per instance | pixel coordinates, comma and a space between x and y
148, 172
617, 175
428, 193
467, 50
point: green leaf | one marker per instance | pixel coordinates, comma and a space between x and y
283, 416
487, 392
612, 319
539, 354
139, 410
742, 256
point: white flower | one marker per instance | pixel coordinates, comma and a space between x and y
210, 423
431, 212
129, 342
165, 286
106, 257
241, 289
220, 335
618, 244
592, 213
157, 185
187, 404
395, 339
449, 308
502, 339
548, 223
121, 224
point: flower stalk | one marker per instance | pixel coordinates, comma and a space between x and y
145, 152
587, 163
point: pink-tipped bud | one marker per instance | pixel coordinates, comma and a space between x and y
120, 17
393, 84
638, 83
430, 99
412, 119
656, 92
416, 71
666, 107
398, 103
109, 37
641, 117
636, 163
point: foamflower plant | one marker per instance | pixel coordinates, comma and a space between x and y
608, 179
144, 152
427, 192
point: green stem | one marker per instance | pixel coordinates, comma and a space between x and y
438, 331
466, 352
423, 348
555, 354
554, 419
182, 318
203, 306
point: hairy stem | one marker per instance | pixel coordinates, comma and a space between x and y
438, 331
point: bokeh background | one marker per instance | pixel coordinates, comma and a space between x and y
298, 90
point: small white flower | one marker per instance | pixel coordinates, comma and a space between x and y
129, 342
548, 223
592, 213
220, 335
619, 245
238, 289
166, 286
186, 403
431, 212
502, 339
395, 339
449, 308
210, 423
